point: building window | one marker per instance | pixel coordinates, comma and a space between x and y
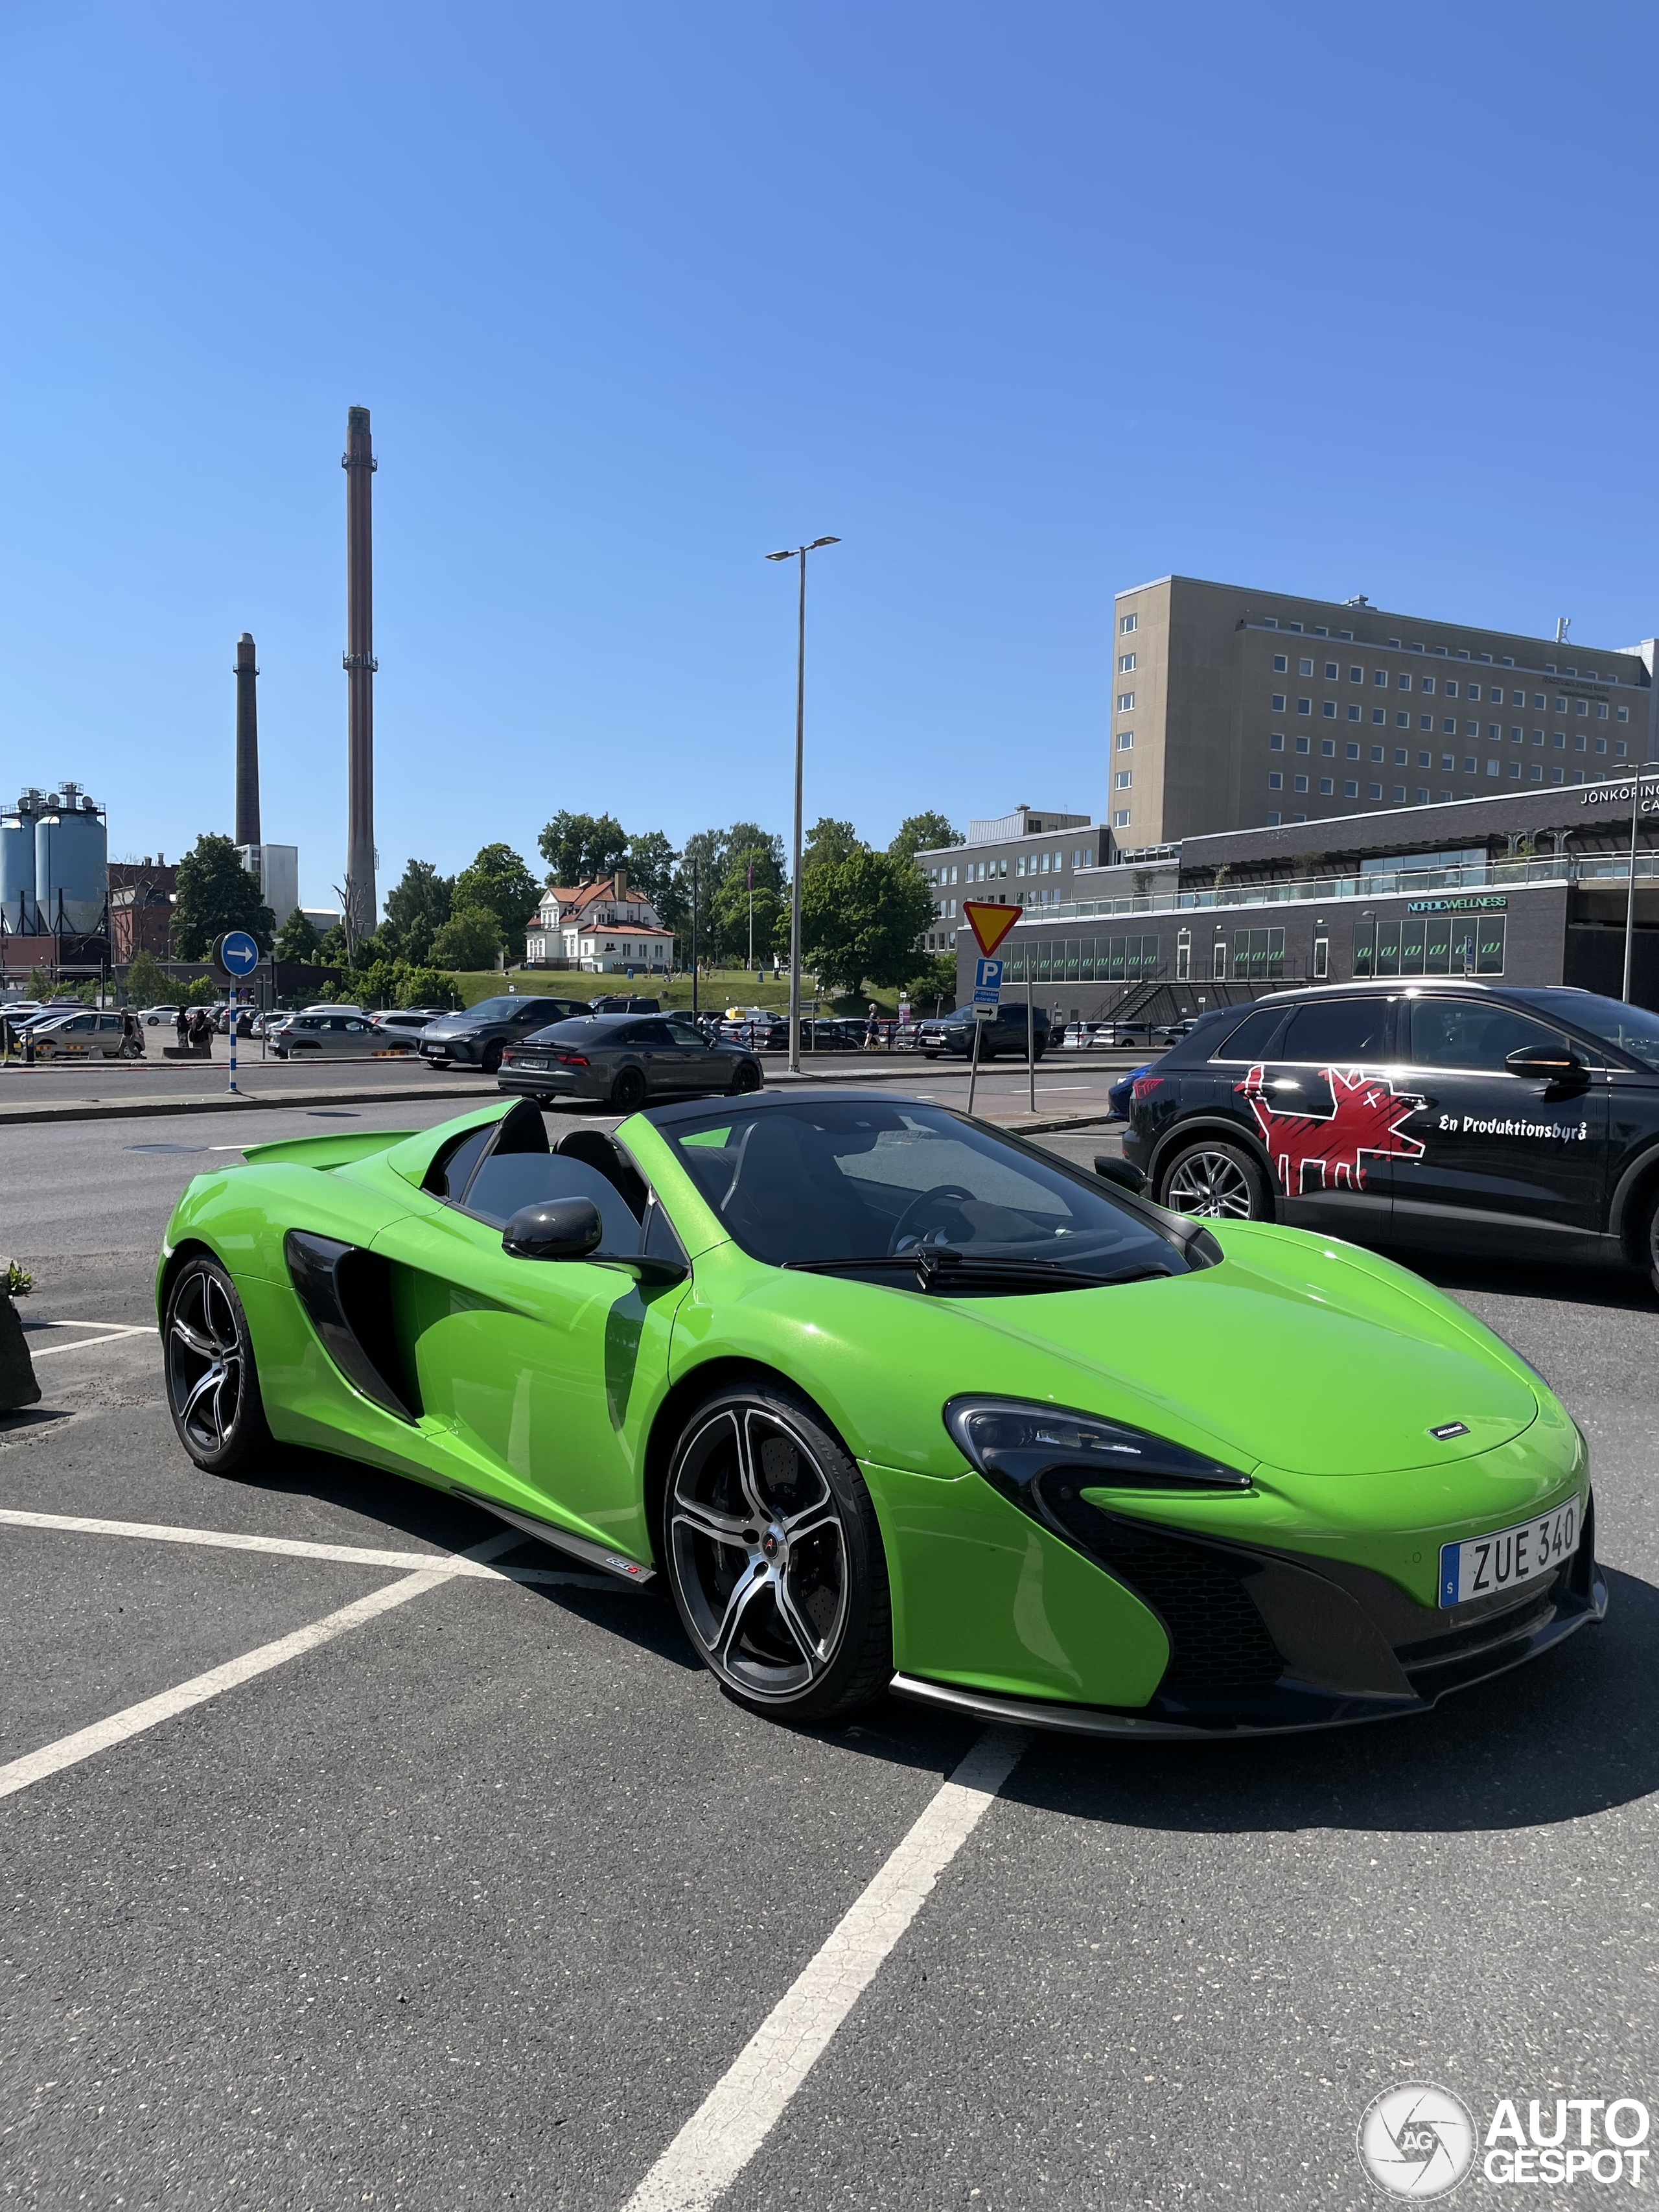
1275, 780
1558, 775
1303, 744
1350, 791
1579, 741
1124, 778
1600, 710
1471, 729
1273, 821
1494, 732
1219, 967
1449, 728
1352, 752
1322, 961
1400, 795
1280, 664
1184, 954
1332, 672
1304, 668
1560, 739
1425, 684
1451, 690
1378, 714
1471, 766
1126, 702
1376, 752
1276, 742
1402, 721
1353, 713
1581, 707
1326, 786
1400, 757
1121, 820
1329, 710
1492, 766
1447, 761
1356, 675
1379, 677
1304, 705
1515, 768
1422, 798
1537, 772
1279, 702
1624, 713
1126, 740
1125, 661
1423, 760
1129, 623
1299, 783
1600, 745
1405, 683
1374, 790
1426, 721
1327, 746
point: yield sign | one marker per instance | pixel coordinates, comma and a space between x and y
990, 924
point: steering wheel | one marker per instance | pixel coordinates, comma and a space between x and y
940, 1191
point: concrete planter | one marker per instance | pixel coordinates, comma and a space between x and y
18, 1386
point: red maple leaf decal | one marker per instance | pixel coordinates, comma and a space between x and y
1367, 1112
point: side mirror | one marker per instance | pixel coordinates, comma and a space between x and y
556, 1228
1122, 1172
1551, 1062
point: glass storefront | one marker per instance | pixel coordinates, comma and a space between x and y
1430, 945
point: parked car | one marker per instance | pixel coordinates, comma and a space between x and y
625, 1060
478, 1036
335, 1035
624, 1002
1172, 1032
85, 1035
406, 1021
1131, 1033
1120, 1095
1006, 1034
1080, 1036
153, 1017
1514, 1120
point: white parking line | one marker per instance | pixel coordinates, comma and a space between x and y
292, 1547
740, 2111
114, 1331
68, 1751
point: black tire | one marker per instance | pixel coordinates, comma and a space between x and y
491, 1059
628, 1091
748, 1078
439, 1066
1648, 1234
771, 1550
1215, 1180
212, 1382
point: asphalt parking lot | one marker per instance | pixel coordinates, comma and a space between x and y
342, 1867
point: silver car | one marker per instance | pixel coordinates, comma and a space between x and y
625, 1059
335, 1035
81, 1036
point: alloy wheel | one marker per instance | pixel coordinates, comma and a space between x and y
204, 1362
1212, 1185
758, 1553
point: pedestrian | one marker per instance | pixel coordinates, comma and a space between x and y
132, 1035
873, 1031
198, 1030
181, 1023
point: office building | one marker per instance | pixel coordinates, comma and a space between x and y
1532, 887
278, 868
1236, 708
1028, 858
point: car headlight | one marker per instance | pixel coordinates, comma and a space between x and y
1026, 1450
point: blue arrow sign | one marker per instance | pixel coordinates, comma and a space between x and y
238, 954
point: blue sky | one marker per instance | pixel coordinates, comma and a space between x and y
1026, 303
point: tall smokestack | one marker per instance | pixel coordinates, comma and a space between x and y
247, 745
358, 461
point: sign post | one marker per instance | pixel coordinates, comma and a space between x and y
235, 956
990, 923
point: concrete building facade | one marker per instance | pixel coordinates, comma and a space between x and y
1236, 708
1028, 858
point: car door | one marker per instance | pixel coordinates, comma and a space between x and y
539, 1377
1328, 1115
698, 1064
1504, 1154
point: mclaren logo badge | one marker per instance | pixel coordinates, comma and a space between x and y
1448, 1430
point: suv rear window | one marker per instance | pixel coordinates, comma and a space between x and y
1250, 1040
1337, 1030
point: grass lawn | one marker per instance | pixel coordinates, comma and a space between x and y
725, 986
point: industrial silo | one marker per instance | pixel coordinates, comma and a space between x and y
71, 862
17, 864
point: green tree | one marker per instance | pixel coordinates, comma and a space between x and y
88, 994
729, 913
216, 893
470, 938
376, 984
147, 981
202, 991
498, 882
933, 987
923, 833
651, 860
297, 940
416, 907
426, 987
827, 843
39, 984
332, 950
860, 918
580, 847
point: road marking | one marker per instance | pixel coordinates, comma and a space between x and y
119, 1328
291, 1547
69, 1751
85, 1343
735, 2119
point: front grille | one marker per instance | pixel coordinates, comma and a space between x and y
1218, 1641
1493, 1627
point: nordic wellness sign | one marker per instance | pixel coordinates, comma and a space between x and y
1472, 905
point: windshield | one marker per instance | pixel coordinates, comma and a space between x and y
835, 1182
1632, 1029
492, 1010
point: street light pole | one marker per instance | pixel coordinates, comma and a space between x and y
799, 554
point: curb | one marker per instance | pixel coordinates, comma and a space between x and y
152, 1109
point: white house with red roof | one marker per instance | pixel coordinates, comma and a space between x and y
602, 927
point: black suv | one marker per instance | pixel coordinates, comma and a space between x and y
955, 1033
1451, 1116
478, 1038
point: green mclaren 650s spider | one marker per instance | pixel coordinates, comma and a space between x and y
891, 1399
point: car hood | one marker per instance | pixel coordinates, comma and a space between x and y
1295, 1351
460, 1025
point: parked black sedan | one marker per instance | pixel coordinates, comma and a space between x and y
625, 1059
1442, 1115
478, 1038
955, 1033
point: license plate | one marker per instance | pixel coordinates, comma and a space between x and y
528, 1060
1485, 1565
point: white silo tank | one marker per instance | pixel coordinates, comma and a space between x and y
71, 863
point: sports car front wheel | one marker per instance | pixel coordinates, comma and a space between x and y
774, 1557
213, 1390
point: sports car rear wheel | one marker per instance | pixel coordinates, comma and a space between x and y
774, 1557
1217, 1181
213, 1390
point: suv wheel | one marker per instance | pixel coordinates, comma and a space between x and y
491, 1059
1215, 1181
628, 1091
